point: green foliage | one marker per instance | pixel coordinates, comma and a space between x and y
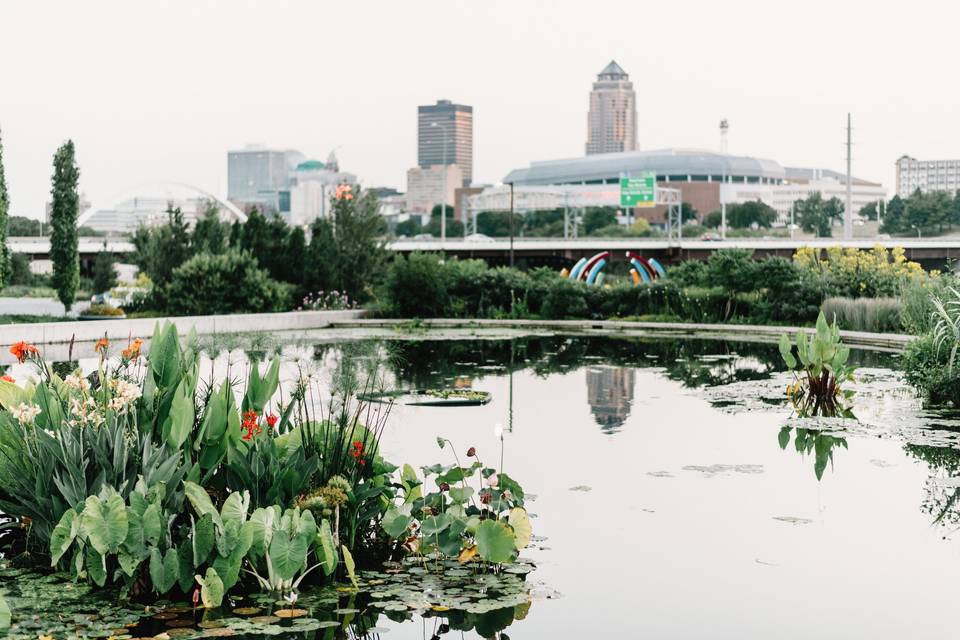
454, 520
877, 315
230, 282
454, 228
6, 268
816, 215
821, 360
20, 273
597, 218
921, 213
813, 441
925, 367
416, 287
748, 214
64, 209
104, 272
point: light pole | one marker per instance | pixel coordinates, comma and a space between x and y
511, 223
724, 126
443, 198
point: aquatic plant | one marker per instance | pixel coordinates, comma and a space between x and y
487, 522
819, 368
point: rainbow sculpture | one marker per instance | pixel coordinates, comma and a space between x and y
588, 269
644, 269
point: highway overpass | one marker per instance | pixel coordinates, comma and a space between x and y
559, 252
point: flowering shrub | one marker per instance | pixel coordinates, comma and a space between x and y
142, 473
326, 301
854, 273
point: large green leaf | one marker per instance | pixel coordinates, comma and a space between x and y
13, 395
235, 508
185, 568
228, 567
450, 541
152, 524
786, 351
260, 390
350, 565
96, 566
262, 522
432, 525
105, 523
63, 535
164, 570
288, 555
395, 522
461, 494
202, 539
5, 614
128, 562
522, 529
135, 543
201, 502
326, 549
179, 422
495, 541
211, 589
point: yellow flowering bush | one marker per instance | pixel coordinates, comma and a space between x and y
847, 271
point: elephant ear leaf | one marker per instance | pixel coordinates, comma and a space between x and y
350, 565
786, 351
211, 589
164, 570
63, 536
105, 523
96, 567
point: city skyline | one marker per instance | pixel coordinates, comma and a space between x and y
173, 111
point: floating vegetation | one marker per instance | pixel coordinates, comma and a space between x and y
718, 469
431, 397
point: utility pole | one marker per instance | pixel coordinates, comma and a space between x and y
724, 126
848, 214
511, 224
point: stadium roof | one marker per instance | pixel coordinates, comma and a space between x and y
606, 166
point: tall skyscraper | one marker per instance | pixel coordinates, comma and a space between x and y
445, 136
612, 121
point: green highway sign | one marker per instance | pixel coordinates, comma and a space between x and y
638, 191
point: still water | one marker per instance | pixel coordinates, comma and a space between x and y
676, 497
671, 510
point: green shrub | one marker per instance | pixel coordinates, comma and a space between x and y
927, 370
917, 311
689, 273
20, 270
230, 282
565, 299
416, 287
878, 315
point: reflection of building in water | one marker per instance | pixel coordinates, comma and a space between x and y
610, 394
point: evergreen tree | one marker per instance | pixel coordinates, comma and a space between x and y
6, 267
104, 272
210, 235
63, 220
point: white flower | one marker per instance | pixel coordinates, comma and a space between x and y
507, 494
498, 430
124, 394
493, 481
76, 381
25, 413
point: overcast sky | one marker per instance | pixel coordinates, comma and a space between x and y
160, 90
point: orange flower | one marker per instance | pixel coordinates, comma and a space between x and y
133, 350
6, 378
344, 192
101, 345
21, 351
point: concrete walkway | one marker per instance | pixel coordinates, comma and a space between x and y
745, 333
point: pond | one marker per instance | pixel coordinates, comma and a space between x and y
673, 496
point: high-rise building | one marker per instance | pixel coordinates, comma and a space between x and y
445, 136
256, 175
926, 175
612, 121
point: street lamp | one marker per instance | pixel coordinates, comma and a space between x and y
443, 198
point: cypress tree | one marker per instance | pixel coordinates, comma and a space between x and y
63, 220
6, 266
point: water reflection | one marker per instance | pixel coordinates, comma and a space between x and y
812, 441
942, 490
610, 395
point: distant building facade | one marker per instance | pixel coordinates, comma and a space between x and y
926, 175
311, 185
257, 176
612, 120
445, 136
427, 187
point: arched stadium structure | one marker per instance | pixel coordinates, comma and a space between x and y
147, 204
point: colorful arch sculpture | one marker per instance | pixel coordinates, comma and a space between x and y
646, 269
588, 270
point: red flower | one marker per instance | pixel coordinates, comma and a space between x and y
357, 452
7, 379
486, 496
250, 424
272, 420
21, 351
